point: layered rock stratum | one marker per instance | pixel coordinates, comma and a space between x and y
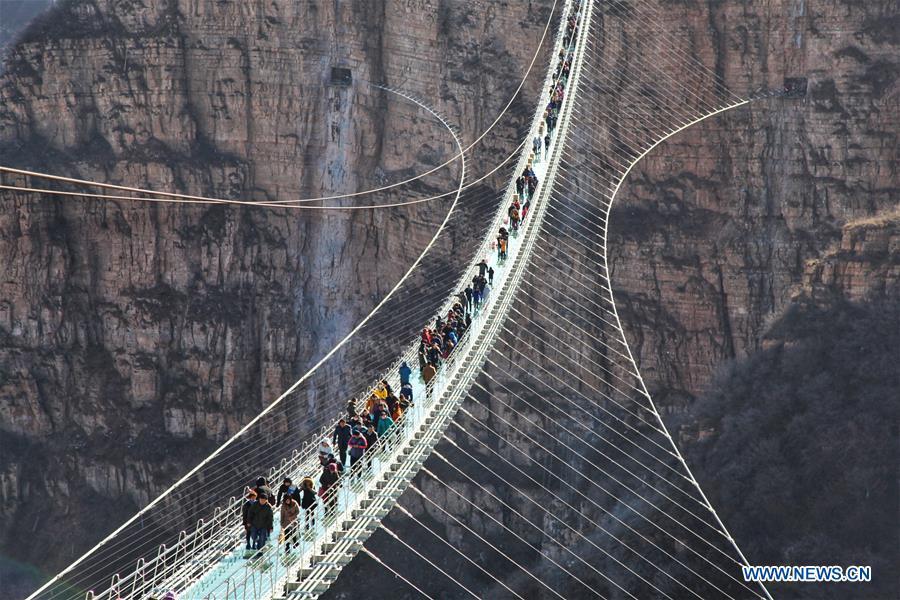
133, 338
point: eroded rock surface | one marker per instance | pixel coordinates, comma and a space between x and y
715, 230
135, 337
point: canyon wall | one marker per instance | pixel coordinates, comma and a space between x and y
716, 239
136, 337
133, 338
719, 227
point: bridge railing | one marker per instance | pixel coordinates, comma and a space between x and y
185, 563
347, 494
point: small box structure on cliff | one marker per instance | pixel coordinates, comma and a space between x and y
341, 76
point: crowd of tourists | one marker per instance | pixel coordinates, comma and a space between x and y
367, 422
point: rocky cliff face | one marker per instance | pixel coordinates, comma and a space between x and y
157, 330
719, 227
134, 337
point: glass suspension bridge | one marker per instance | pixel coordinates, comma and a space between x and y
541, 392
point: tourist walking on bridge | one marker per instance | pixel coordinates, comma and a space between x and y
358, 446
327, 480
324, 450
289, 511
262, 520
406, 391
341, 438
245, 516
286, 488
482, 267
385, 422
405, 373
513, 213
308, 500
502, 241
371, 437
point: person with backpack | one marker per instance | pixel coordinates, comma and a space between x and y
513, 213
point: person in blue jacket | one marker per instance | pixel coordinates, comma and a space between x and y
405, 373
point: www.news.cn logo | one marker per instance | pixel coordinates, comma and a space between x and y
807, 574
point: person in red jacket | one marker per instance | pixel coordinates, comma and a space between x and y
358, 446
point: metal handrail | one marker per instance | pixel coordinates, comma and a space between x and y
172, 574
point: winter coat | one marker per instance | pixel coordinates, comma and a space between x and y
405, 373
384, 423
245, 511
371, 439
376, 414
428, 373
407, 390
309, 498
341, 435
328, 478
434, 355
265, 491
289, 513
325, 448
358, 445
371, 403
261, 516
283, 491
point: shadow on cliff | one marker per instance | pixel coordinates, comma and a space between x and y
796, 446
